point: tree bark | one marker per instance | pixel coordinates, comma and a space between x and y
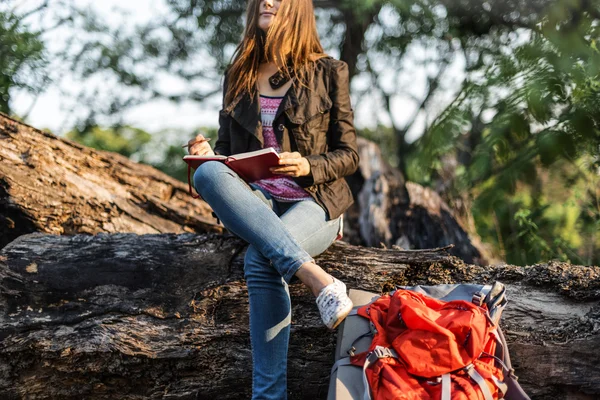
166, 316
53, 185
389, 211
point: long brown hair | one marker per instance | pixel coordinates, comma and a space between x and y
291, 42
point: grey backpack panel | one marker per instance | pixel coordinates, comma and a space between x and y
448, 292
346, 381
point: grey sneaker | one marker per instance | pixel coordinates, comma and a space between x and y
334, 304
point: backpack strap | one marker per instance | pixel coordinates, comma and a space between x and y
339, 363
479, 297
505, 354
514, 390
494, 297
352, 349
485, 390
502, 386
374, 355
446, 387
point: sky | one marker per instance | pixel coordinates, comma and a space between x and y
50, 110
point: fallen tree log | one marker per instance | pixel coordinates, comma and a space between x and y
165, 316
54, 185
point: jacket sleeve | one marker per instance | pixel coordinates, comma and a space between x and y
222, 146
341, 159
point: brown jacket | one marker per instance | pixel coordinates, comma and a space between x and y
317, 124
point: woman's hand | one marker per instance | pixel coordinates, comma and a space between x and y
200, 149
292, 164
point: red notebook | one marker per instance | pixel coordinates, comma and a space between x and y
250, 166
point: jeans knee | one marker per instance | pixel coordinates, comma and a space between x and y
206, 174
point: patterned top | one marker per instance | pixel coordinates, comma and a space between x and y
282, 188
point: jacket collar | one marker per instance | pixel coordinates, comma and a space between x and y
246, 110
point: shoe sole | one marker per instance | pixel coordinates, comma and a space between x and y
342, 317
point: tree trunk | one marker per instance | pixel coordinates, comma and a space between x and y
53, 185
166, 316
392, 212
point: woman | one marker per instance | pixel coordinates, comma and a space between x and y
282, 91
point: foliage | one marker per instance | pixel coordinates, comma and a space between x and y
558, 218
125, 140
21, 58
534, 109
170, 162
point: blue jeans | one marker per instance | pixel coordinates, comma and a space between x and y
282, 237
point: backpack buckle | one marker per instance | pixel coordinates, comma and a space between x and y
478, 299
352, 351
434, 381
384, 352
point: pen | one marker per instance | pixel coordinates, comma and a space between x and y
197, 141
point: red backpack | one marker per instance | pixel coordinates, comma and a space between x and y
427, 348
